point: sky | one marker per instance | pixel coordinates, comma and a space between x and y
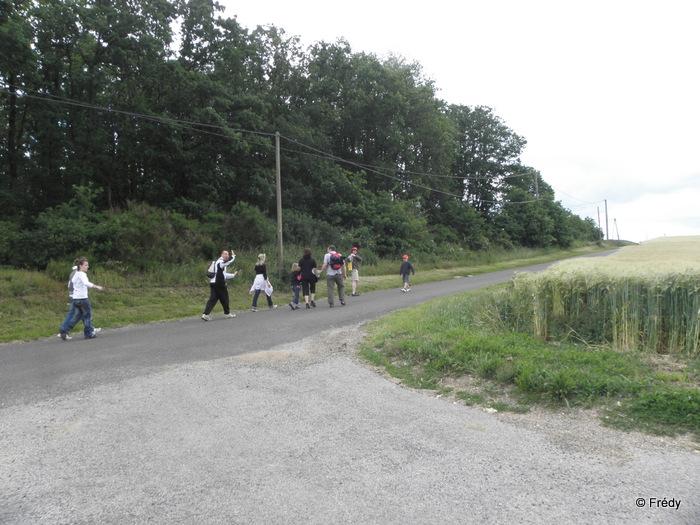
606, 93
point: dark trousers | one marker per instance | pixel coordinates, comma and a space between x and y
217, 293
257, 294
306, 285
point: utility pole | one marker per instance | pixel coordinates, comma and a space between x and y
278, 177
537, 190
607, 235
600, 230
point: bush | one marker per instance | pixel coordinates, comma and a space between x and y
246, 226
69, 228
151, 236
304, 230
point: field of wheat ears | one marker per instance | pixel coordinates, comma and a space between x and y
618, 333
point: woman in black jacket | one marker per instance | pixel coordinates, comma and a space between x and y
309, 277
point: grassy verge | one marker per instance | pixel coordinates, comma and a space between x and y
33, 304
462, 336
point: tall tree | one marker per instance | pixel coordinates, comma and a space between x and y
488, 152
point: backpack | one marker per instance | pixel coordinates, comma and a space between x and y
211, 270
70, 283
336, 261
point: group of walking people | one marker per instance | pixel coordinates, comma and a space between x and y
303, 278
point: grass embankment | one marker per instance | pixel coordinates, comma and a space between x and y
33, 304
469, 336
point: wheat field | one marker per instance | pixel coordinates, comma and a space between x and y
643, 297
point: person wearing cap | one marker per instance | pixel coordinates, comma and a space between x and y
354, 261
405, 272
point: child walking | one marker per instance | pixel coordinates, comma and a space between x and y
405, 272
295, 283
81, 309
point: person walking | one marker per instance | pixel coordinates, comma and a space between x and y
353, 263
334, 264
295, 283
309, 277
71, 310
81, 309
261, 283
218, 290
405, 271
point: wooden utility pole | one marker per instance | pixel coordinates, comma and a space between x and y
278, 177
607, 235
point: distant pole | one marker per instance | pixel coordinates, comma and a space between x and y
607, 234
278, 183
600, 230
537, 189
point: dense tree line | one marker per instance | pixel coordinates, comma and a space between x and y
116, 112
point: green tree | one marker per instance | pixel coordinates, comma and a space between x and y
17, 67
488, 152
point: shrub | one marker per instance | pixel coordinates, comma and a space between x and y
245, 226
152, 236
71, 227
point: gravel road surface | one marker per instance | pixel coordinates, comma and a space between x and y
270, 418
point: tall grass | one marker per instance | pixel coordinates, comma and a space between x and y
644, 297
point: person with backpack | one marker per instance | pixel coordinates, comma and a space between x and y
80, 310
405, 272
309, 277
218, 290
334, 264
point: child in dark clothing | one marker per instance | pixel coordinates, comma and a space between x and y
295, 283
405, 272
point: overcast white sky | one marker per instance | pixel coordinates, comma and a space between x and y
606, 92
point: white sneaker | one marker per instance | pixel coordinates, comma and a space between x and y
66, 338
205, 317
229, 316
96, 330
273, 307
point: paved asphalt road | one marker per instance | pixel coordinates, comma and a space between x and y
260, 419
37, 370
